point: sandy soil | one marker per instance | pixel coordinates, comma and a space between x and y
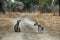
30, 36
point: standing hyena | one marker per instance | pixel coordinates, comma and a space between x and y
16, 27
40, 27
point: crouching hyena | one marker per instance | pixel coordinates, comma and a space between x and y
16, 27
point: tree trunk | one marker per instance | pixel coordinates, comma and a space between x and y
59, 7
59, 10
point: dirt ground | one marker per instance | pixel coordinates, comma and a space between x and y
51, 23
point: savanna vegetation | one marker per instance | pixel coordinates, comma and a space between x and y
29, 5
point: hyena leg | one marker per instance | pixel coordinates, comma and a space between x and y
39, 26
19, 30
42, 28
15, 29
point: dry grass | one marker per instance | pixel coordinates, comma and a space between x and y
48, 20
